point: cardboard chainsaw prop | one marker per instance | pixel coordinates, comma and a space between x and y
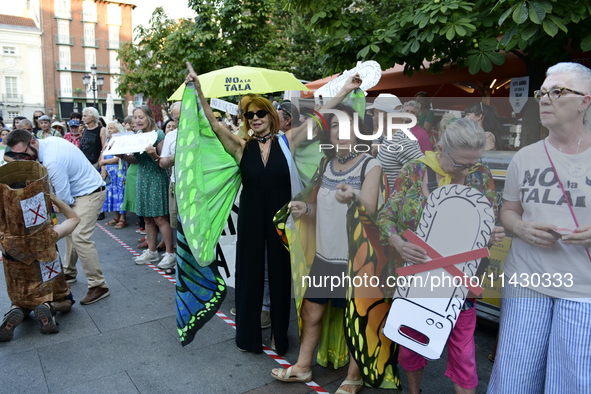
32, 266
454, 231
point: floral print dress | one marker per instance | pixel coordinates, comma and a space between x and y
115, 189
405, 205
152, 185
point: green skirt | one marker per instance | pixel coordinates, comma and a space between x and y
130, 189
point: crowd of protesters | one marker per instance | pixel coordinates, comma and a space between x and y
544, 344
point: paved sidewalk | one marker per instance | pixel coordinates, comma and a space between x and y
127, 343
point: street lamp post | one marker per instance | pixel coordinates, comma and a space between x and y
93, 83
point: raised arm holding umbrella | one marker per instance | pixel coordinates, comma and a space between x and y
269, 180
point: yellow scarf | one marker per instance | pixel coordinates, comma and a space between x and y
430, 159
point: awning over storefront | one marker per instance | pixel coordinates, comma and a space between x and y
441, 85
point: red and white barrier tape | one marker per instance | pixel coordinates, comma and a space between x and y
170, 278
268, 351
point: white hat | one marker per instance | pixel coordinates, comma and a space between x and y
386, 102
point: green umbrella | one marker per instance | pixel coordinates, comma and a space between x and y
241, 80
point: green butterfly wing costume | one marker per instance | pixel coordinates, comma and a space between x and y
208, 179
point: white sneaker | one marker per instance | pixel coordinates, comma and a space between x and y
147, 257
168, 261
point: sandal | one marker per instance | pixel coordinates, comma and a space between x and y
170, 271
285, 376
358, 385
112, 222
121, 224
142, 239
143, 245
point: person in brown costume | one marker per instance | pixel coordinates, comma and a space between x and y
32, 266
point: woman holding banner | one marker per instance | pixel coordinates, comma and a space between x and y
456, 162
152, 192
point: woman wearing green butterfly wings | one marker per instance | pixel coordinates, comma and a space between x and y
269, 180
346, 182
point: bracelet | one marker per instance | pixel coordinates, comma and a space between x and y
157, 160
307, 209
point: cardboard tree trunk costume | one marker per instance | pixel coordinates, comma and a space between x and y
32, 266
454, 230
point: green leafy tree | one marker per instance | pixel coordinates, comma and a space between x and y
154, 65
250, 33
468, 34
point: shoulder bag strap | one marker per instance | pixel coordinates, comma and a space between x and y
570, 207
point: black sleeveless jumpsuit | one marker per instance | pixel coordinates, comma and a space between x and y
265, 189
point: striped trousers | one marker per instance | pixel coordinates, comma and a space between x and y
544, 345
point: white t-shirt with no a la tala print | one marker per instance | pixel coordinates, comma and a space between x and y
563, 271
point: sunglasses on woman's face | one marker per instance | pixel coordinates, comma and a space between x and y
261, 113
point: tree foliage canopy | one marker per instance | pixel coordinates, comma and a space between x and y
257, 33
469, 34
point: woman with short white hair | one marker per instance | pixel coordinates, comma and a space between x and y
93, 137
544, 340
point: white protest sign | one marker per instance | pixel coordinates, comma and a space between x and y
34, 210
369, 72
456, 223
130, 143
50, 269
518, 93
223, 105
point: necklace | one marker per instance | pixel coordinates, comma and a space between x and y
262, 139
347, 157
578, 144
265, 152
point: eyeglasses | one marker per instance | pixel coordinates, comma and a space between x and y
261, 113
26, 149
555, 93
20, 155
462, 167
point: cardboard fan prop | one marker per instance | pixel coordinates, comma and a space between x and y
454, 230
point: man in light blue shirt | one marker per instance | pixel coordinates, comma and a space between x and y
78, 184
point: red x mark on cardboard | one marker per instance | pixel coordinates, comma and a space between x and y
439, 261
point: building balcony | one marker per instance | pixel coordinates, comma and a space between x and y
65, 92
85, 68
89, 42
90, 17
113, 44
63, 14
64, 40
80, 94
61, 66
12, 98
